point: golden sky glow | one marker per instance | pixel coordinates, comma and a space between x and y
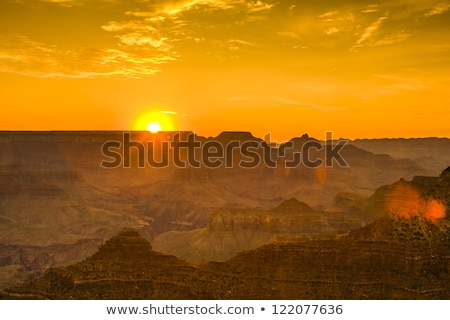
357, 68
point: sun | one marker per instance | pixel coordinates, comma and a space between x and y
155, 121
154, 127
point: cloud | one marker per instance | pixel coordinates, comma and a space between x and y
369, 11
332, 30
236, 44
306, 105
149, 31
146, 38
398, 84
168, 112
165, 24
114, 26
395, 37
370, 8
177, 28
328, 14
369, 32
20, 55
258, 6
177, 7
242, 42
440, 8
137, 39
71, 3
181, 6
66, 3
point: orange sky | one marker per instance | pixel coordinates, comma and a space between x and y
357, 68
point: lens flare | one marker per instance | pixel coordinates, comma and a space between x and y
435, 210
405, 201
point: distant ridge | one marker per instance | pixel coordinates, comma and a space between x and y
293, 205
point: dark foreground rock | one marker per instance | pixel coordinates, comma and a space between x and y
348, 267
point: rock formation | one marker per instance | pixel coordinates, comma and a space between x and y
55, 198
350, 267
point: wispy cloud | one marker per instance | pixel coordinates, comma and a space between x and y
23, 56
369, 32
243, 42
369, 11
146, 39
332, 30
177, 7
168, 112
440, 8
66, 3
328, 14
71, 3
164, 24
396, 84
143, 31
306, 105
180, 6
114, 26
395, 37
370, 8
258, 6
137, 39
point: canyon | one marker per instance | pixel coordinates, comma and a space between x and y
57, 205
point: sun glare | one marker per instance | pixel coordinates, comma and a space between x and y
155, 121
154, 127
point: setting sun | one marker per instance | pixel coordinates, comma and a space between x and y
155, 121
154, 127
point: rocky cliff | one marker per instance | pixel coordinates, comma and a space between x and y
404, 254
126, 267
54, 194
232, 230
